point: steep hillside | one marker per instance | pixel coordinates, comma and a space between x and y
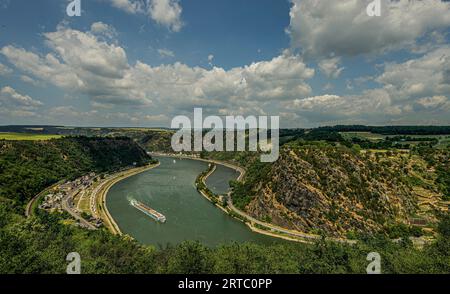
321, 188
439, 161
27, 167
157, 141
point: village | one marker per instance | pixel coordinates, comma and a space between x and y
63, 198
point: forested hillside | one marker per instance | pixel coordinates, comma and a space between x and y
157, 141
27, 167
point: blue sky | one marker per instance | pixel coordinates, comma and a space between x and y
142, 62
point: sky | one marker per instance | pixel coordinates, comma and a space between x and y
140, 63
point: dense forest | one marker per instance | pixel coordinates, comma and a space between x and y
41, 244
27, 167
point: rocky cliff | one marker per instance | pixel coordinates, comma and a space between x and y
320, 188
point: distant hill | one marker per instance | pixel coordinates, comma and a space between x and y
385, 130
73, 131
392, 130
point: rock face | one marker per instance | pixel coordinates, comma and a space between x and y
336, 190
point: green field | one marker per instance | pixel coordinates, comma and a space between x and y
363, 135
444, 140
27, 136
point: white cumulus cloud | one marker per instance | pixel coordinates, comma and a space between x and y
330, 67
418, 77
323, 27
81, 63
130, 6
4, 70
166, 13
103, 29
11, 99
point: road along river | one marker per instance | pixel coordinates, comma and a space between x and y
170, 189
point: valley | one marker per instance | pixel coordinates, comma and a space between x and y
325, 190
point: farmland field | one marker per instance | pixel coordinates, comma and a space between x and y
444, 140
27, 136
363, 135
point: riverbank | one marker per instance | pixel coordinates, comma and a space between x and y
101, 192
226, 164
255, 225
205, 192
170, 189
97, 199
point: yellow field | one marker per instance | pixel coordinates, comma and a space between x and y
27, 137
142, 130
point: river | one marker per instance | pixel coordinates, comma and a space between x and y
170, 189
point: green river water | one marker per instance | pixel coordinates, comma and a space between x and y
170, 189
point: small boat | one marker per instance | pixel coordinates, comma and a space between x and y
148, 211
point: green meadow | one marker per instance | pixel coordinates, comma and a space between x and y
27, 136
